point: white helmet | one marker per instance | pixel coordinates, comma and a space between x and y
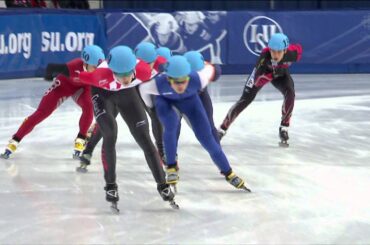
166, 23
193, 17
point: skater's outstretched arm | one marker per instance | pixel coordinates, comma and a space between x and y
53, 70
209, 73
293, 53
147, 90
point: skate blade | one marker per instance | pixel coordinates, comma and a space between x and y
4, 156
246, 189
283, 144
76, 156
114, 208
174, 205
174, 188
81, 169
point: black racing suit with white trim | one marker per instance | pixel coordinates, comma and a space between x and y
126, 101
265, 71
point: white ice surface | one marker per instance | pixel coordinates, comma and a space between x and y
316, 191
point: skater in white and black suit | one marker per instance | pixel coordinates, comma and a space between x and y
114, 88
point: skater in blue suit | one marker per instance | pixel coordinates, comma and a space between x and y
179, 88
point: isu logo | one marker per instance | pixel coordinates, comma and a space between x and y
257, 33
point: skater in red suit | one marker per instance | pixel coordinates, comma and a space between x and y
65, 85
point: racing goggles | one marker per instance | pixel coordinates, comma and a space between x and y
124, 74
179, 80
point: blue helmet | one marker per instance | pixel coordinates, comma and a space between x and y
164, 52
178, 66
195, 59
121, 59
146, 51
92, 55
278, 41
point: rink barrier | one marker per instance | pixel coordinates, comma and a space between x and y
333, 41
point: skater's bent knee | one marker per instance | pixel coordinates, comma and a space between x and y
110, 135
290, 93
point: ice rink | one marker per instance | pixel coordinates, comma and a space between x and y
317, 191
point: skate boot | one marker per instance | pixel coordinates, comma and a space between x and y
172, 177
283, 134
167, 195
236, 181
221, 133
79, 147
10, 149
111, 195
85, 159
